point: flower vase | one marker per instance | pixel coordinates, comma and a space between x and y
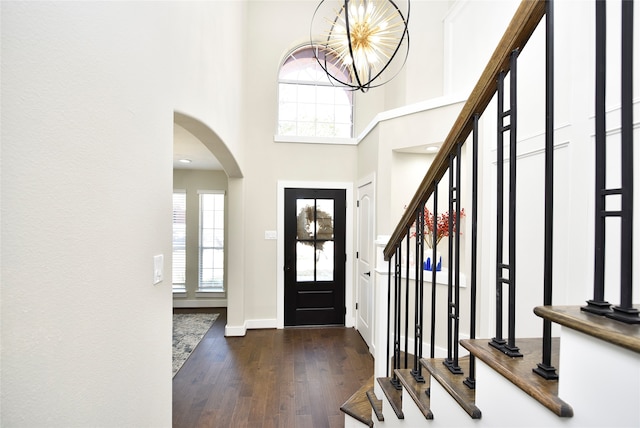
428, 264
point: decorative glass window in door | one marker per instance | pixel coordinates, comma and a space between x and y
315, 240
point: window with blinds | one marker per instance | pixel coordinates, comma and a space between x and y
211, 271
179, 267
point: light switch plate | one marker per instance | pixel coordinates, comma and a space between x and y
270, 234
158, 268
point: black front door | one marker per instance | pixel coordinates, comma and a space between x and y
314, 254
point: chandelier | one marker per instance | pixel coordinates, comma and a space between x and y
362, 37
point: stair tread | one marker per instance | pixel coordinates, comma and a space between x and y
453, 383
603, 328
417, 390
358, 405
519, 370
394, 396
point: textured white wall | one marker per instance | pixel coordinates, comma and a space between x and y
207, 47
88, 95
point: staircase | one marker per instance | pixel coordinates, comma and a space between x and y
478, 362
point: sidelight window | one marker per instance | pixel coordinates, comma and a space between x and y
211, 248
179, 267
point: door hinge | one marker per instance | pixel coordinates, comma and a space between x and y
358, 204
357, 255
356, 306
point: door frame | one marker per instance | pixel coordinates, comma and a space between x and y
349, 319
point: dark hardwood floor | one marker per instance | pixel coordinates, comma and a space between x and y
296, 377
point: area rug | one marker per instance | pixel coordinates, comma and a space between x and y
188, 331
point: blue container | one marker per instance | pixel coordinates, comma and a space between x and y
427, 264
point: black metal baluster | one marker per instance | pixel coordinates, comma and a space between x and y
395, 382
510, 348
449, 360
406, 302
388, 356
544, 368
453, 286
470, 381
421, 273
625, 311
433, 271
418, 308
598, 305
455, 368
498, 341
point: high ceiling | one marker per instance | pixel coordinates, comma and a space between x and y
186, 146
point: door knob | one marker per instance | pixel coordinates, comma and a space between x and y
368, 273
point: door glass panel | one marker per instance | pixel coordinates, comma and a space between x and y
305, 209
324, 218
324, 261
305, 261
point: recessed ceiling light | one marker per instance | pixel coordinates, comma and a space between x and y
432, 149
185, 161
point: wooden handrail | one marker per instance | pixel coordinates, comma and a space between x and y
520, 29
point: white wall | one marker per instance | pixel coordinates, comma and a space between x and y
472, 30
422, 76
88, 95
267, 162
207, 47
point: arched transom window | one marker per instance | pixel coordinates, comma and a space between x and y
309, 105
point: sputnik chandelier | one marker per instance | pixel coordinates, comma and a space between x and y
363, 37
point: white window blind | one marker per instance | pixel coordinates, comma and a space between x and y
211, 271
179, 240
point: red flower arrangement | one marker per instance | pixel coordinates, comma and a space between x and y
442, 223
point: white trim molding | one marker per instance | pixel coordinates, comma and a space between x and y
241, 330
235, 331
430, 104
199, 303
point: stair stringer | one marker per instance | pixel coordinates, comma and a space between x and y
390, 418
503, 404
412, 414
413, 417
600, 380
351, 422
446, 411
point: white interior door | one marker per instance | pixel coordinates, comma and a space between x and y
366, 261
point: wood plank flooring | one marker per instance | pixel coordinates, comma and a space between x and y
296, 377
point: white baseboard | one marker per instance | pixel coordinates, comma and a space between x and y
258, 324
241, 330
199, 303
231, 330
